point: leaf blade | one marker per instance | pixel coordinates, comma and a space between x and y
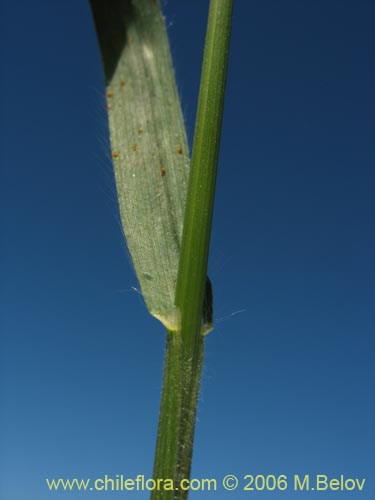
149, 145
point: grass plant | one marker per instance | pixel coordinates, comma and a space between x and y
166, 201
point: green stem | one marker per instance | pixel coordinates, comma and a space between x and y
177, 417
184, 352
191, 283
170, 410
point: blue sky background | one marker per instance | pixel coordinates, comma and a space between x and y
288, 384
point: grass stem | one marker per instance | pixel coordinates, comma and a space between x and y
184, 353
